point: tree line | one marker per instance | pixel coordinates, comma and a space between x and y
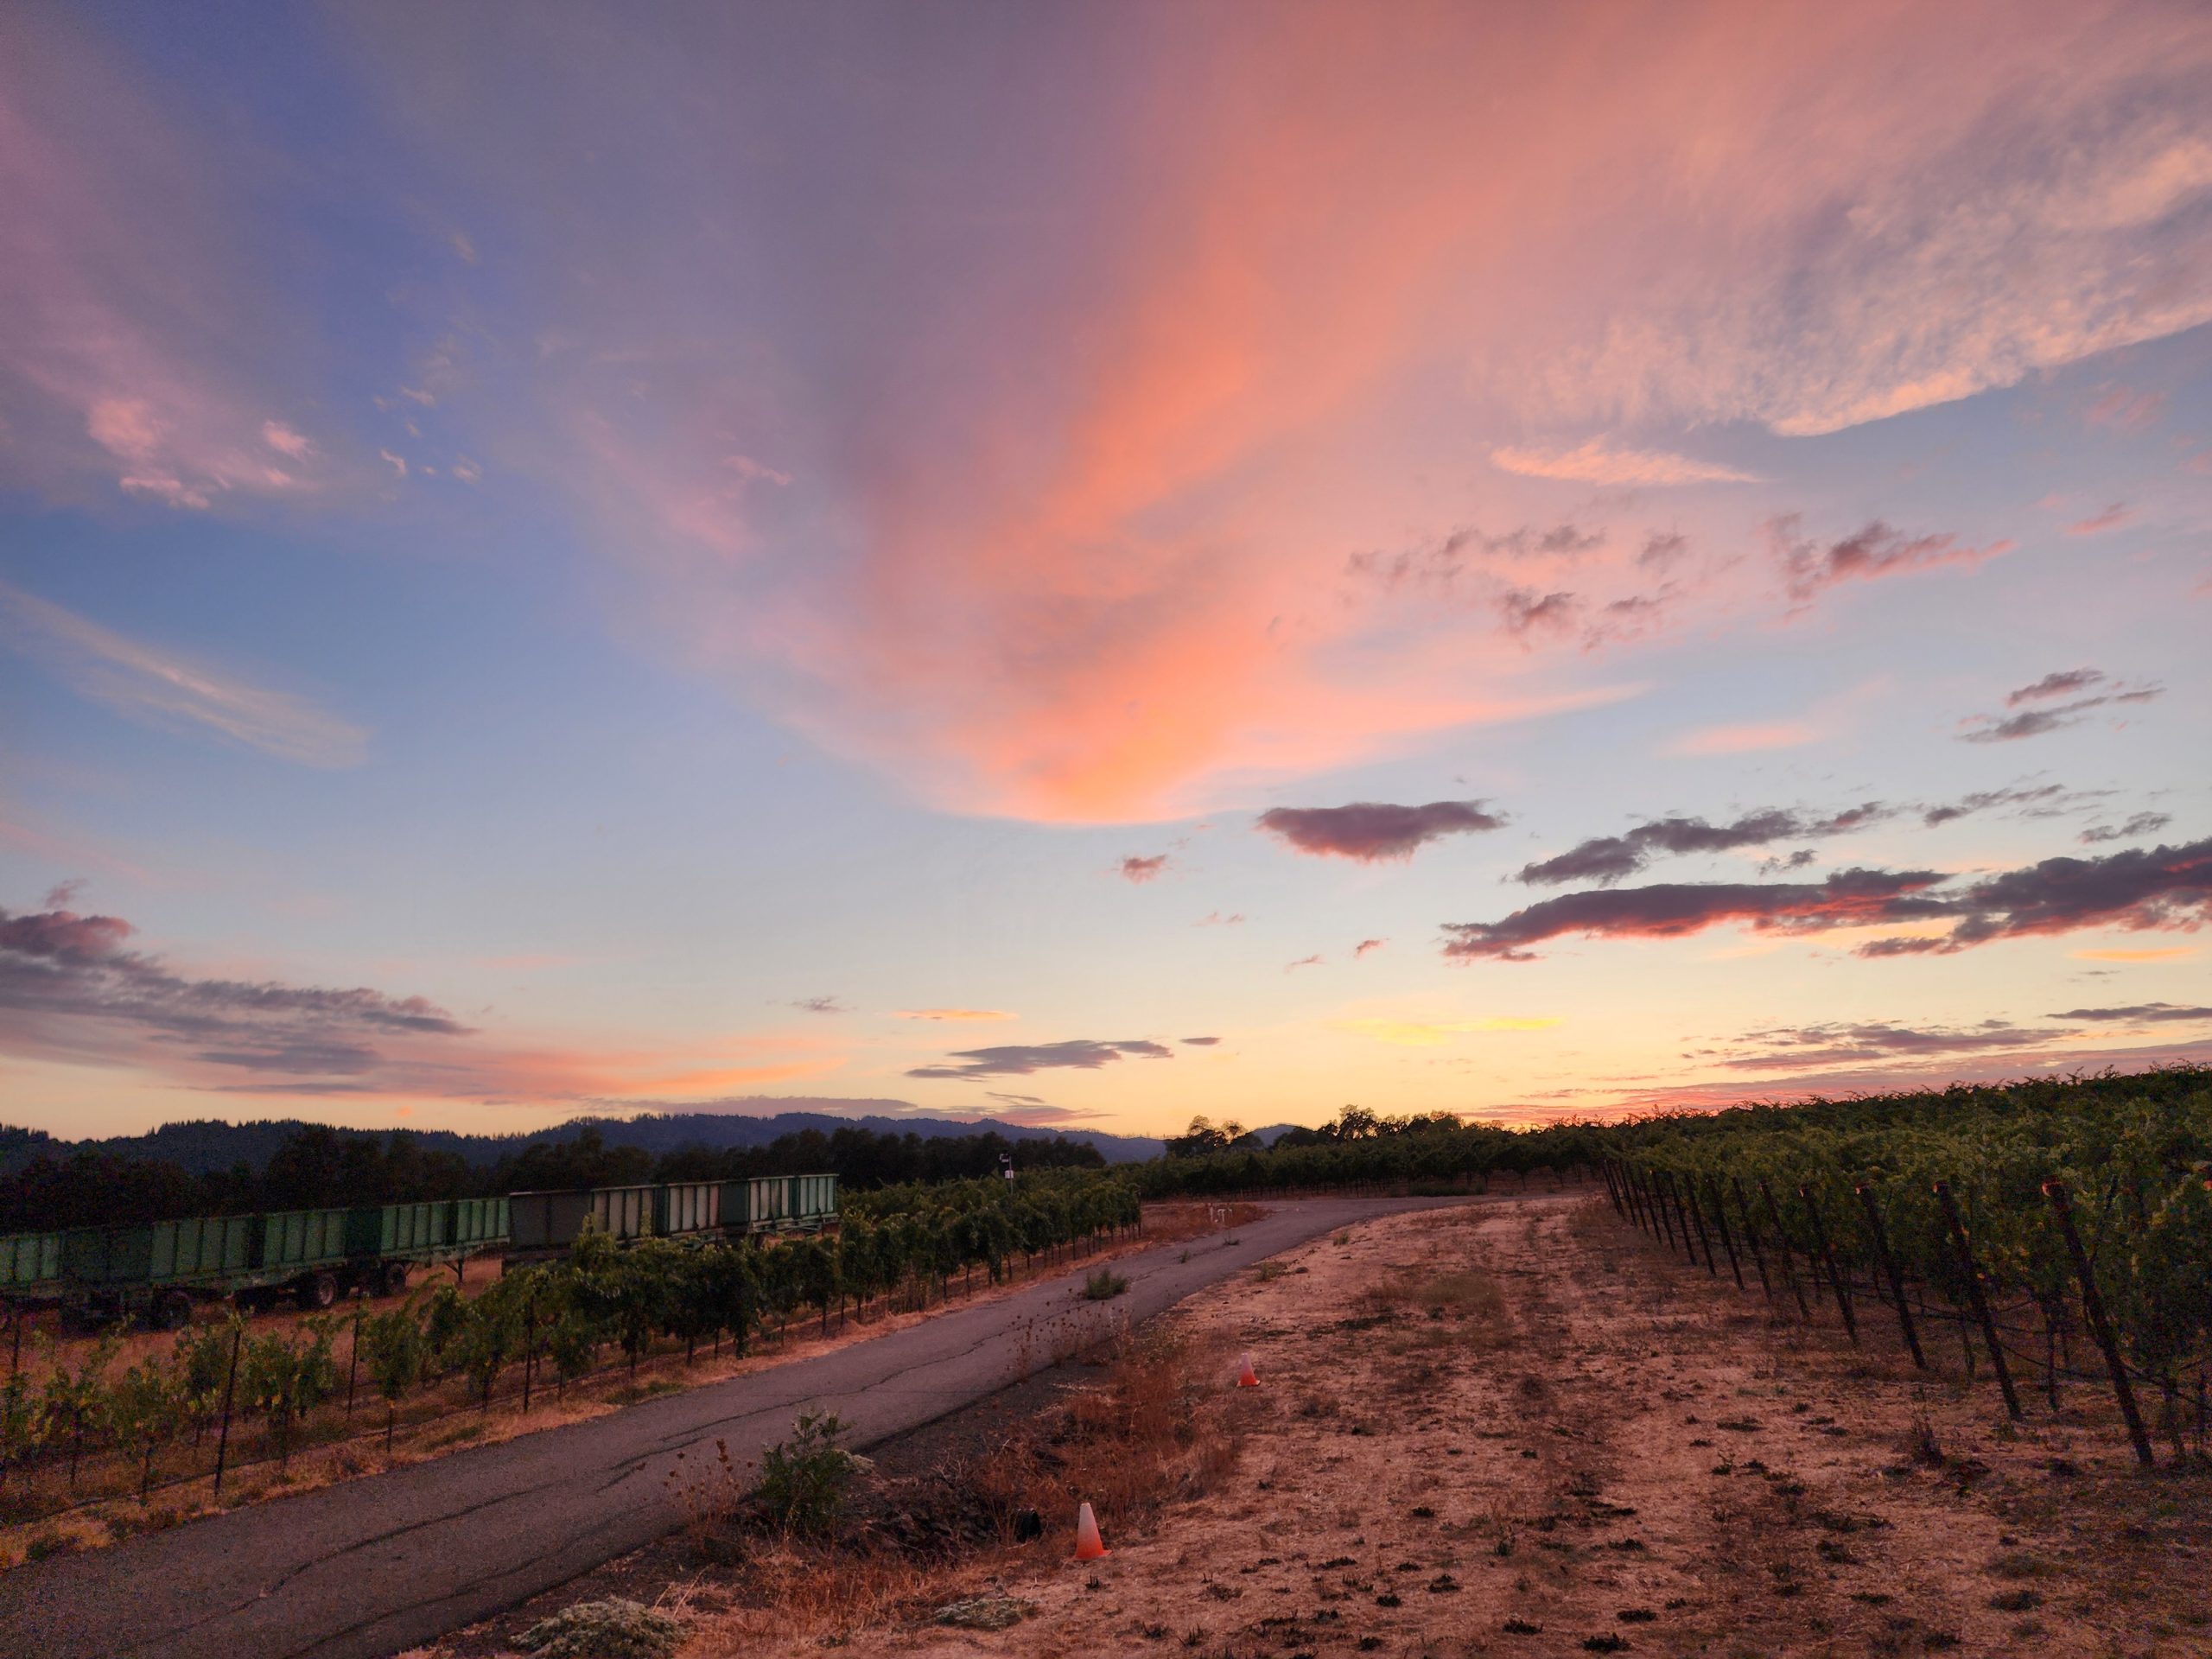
316, 1167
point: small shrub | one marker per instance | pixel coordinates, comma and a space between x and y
1103, 1285
804, 1479
614, 1628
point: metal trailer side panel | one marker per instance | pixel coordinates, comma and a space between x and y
623, 1212
477, 1222
768, 1201
687, 1207
302, 1238
547, 1221
400, 1229
97, 1257
199, 1249
30, 1263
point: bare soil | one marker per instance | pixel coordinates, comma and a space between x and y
1519, 1427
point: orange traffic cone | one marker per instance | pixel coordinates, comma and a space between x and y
1248, 1378
1088, 1544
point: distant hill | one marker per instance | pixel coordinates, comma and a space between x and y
209, 1146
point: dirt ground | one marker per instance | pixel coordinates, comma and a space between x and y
1518, 1427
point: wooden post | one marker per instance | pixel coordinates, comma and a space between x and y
1635, 1199
1673, 1197
529, 1346
354, 1363
1976, 1297
1782, 1243
1890, 1271
1697, 1215
1828, 1255
1651, 1194
230, 1387
1612, 1191
1720, 1220
2094, 1306
1752, 1235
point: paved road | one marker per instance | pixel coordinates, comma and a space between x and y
371, 1566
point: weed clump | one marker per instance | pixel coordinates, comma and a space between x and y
1103, 1285
614, 1629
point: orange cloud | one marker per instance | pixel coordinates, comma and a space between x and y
955, 1014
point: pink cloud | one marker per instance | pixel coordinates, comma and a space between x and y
1743, 739
2111, 518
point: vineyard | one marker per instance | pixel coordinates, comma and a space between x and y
1360, 1152
2061, 1229
79, 1427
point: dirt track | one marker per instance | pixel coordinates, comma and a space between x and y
1519, 1429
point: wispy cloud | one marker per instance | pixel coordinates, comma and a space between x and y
957, 1015
1598, 462
168, 690
1428, 1033
1138, 870
1810, 567
1746, 739
821, 1005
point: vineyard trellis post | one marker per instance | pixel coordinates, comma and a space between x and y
1682, 1215
1827, 1256
1782, 1243
230, 1389
1752, 1235
1697, 1215
1976, 1297
354, 1360
1880, 1237
2093, 1305
1720, 1221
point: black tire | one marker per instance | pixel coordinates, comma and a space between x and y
394, 1279
172, 1311
318, 1290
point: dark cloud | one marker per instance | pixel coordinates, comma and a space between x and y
71, 987
1876, 552
2138, 890
1847, 1045
1136, 869
1662, 548
1612, 858
1523, 610
2034, 723
1438, 564
2037, 802
1200, 1042
1803, 858
2141, 1013
1372, 831
1848, 898
2143, 823
1021, 1059
821, 1005
2063, 683
2163, 887
64, 895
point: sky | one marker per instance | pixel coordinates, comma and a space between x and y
1100, 563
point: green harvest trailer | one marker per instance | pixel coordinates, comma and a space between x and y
158, 1271
547, 1223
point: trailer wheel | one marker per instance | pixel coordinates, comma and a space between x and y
172, 1311
395, 1278
318, 1290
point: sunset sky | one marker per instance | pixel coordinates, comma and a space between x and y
1097, 562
